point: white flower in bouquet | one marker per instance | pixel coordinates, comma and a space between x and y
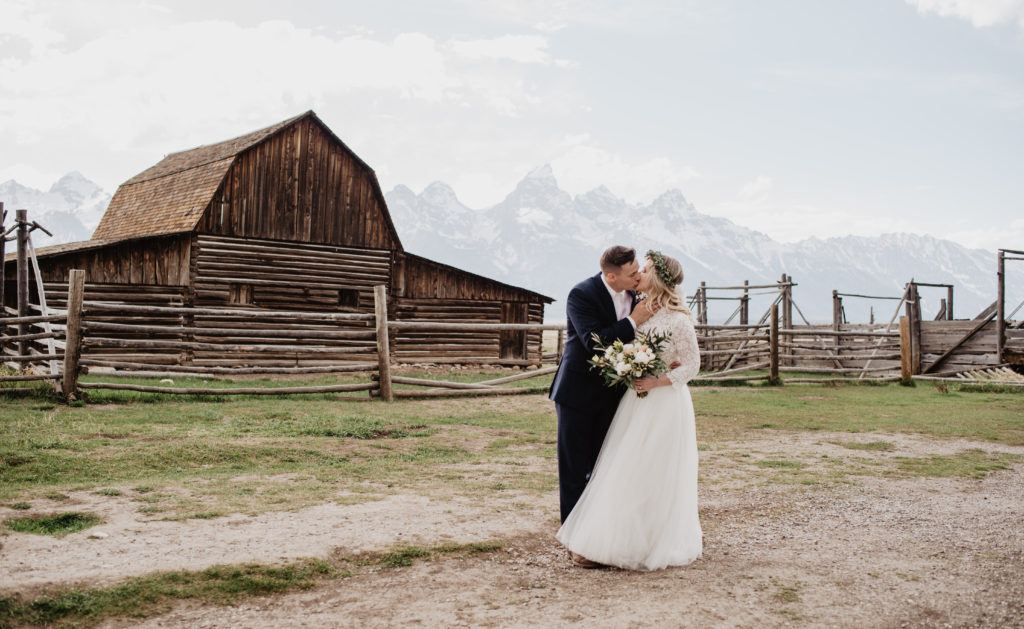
624, 363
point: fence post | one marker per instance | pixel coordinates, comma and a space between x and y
905, 354
21, 216
745, 304
73, 339
380, 309
915, 331
1000, 305
3, 267
773, 348
787, 312
949, 303
560, 347
703, 316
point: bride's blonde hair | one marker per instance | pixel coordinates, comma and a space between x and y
668, 274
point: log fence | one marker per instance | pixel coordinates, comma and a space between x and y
205, 342
84, 327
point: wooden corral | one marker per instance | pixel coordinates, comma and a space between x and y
941, 346
285, 218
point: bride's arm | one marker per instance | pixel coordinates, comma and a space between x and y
687, 353
684, 338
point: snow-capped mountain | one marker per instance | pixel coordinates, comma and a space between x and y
71, 209
543, 238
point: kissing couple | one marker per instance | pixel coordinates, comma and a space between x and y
627, 463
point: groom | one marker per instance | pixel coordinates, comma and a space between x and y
605, 304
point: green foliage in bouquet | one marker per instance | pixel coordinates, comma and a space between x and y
624, 363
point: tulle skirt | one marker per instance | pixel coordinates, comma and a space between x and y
639, 510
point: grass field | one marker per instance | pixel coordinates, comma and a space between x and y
195, 456
198, 457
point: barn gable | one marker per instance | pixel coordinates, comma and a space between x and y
292, 181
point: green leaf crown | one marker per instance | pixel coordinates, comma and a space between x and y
661, 267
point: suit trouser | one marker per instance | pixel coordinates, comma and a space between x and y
580, 435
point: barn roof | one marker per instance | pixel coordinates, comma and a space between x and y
76, 247
171, 196
449, 268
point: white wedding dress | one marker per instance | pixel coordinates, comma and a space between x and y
639, 510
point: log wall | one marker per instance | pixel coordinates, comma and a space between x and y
273, 275
135, 295
445, 346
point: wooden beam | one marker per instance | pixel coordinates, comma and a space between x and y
773, 351
380, 308
333, 388
73, 344
1000, 304
21, 216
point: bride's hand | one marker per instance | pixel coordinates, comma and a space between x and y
646, 384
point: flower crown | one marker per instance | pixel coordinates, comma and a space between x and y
661, 267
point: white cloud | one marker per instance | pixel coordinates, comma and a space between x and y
520, 48
1008, 235
20, 23
790, 217
30, 176
757, 190
582, 165
980, 13
549, 27
137, 90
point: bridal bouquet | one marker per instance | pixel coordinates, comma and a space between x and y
625, 363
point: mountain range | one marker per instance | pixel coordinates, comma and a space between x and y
542, 238
71, 209
545, 239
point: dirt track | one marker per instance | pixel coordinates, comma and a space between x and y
884, 552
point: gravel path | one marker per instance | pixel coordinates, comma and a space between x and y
882, 552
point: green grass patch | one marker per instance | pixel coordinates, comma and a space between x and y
58, 525
874, 446
724, 415
151, 595
248, 454
777, 464
972, 463
404, 556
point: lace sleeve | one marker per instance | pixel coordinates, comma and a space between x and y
684, 349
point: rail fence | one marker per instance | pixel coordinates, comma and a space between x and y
162, 341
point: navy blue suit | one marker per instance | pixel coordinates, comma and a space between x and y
585, 406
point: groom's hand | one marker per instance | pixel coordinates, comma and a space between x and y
643, 311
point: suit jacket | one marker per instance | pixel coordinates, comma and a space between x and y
588, 309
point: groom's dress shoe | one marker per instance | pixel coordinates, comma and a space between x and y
583, 562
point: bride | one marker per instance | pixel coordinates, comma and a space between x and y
639, 510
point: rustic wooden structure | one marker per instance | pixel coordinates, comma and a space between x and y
1009, 341
286, 218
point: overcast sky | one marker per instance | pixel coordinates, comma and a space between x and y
795, 117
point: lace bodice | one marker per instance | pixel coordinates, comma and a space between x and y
682, 347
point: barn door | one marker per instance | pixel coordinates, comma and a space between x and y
513, 343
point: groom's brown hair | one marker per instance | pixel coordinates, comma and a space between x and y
616, 257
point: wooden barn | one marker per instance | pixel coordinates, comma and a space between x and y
286, 218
